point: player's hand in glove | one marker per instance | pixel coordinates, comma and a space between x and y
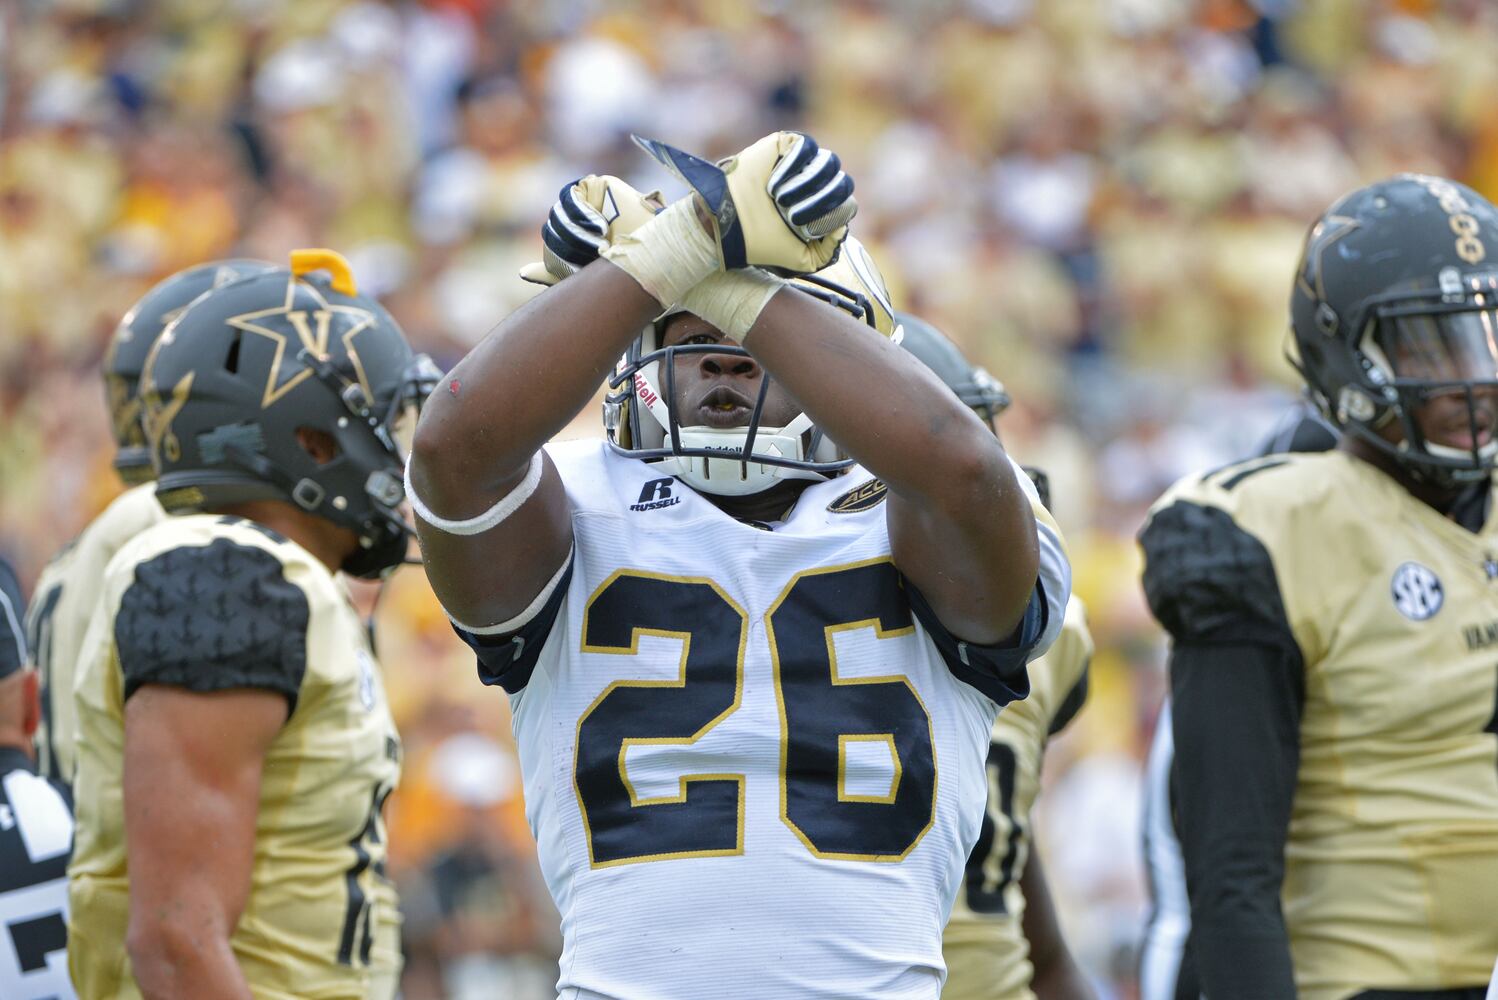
587, 216
782, 203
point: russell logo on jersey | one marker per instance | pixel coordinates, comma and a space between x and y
655, 495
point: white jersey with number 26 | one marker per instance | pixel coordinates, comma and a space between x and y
753, 760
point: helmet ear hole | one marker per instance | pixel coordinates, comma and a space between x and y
231, 362
319, 445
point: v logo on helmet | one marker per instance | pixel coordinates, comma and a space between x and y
157, 417
311, 331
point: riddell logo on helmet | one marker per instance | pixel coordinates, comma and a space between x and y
643, 388
655, 495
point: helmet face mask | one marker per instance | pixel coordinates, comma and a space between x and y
639, 409
1395, 321
733, 461
1425, 351
367, 438
987, 397
233, 384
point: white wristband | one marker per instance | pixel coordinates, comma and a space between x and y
732, 300
532, 610
667, 255
507, 504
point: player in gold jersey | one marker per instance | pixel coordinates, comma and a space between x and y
1334, 670
1002, 941
235, 746
69, 585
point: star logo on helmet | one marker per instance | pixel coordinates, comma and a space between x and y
301, 329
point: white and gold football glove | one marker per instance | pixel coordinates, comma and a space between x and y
589, 213
782, 203
594, 211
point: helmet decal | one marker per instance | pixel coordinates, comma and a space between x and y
231, 384
157, 415
305, 329
130, 346
1468, 231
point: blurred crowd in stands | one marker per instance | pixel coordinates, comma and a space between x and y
1102, 200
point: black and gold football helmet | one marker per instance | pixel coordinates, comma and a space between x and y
131, 342
232, 380
1396, 302
983, 394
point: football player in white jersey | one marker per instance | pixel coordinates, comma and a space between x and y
752, 683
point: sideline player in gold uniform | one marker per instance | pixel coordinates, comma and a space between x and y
1002, 941
1335, 626
68, 587
235, 744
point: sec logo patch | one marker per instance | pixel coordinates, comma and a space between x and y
1417, 592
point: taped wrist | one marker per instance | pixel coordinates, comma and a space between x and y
667, 255
732, 300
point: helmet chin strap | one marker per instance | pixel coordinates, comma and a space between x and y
731, 475
1462, 477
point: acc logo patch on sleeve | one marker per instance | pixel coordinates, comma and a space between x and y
870, 494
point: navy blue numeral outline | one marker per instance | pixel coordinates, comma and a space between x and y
706, 817
802, 625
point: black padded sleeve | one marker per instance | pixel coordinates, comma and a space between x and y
998, 670
12, 613
1071, 704
213, 617
1206, 578
508, 659
1238, 685
1236, 722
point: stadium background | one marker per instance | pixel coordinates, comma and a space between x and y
1102, 200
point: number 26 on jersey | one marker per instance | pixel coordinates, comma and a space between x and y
821, 716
